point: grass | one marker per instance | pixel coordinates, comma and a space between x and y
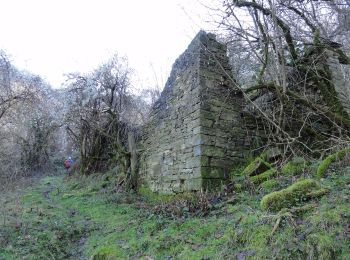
87, 219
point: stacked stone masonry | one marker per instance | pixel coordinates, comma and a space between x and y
195, 133
201, 127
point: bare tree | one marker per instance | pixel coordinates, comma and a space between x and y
15, 86
28, 121
102, 113
289, 83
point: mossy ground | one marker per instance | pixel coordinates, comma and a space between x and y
65, 218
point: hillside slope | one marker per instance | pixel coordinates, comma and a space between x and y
63, 218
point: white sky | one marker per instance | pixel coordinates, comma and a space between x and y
53, 37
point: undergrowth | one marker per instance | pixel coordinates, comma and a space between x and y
89, 218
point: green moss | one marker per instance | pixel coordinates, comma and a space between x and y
257, 166
322, 168
264, 176
294, 167
291, 196
269, 184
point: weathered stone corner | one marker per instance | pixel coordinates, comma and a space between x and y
195, 134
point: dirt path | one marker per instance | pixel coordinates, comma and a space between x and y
53, 194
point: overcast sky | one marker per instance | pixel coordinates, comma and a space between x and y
53, 37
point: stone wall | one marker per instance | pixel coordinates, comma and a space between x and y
195, 133
341, 79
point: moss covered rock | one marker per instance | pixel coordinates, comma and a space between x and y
256, 167
257, 179
322, 168
294, 167
300, 191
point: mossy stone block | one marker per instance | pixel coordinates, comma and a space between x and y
256, 167
256, 179
300, 191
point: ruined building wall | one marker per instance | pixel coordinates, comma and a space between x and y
341, 79
195, 133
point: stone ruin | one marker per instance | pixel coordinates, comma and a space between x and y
202, 126
195, 133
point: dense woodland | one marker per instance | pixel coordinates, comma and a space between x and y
284, 56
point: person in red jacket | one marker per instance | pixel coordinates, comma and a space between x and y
67, 164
